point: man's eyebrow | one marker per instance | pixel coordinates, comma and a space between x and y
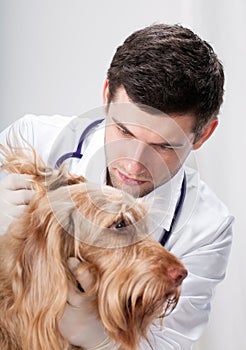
161, 144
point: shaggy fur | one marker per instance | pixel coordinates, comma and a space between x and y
136, 279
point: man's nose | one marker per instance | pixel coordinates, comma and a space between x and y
134, 168
137, 158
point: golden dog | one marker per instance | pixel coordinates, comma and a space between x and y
136, 279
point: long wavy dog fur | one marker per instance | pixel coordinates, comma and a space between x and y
136, 279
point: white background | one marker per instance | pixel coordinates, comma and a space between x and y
54, 58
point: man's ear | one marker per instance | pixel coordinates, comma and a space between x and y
206, 133
105, 92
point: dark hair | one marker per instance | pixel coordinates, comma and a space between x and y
169, 68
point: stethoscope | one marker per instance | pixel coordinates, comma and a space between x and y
77, 154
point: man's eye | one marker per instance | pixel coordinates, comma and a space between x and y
166, 148
123, 131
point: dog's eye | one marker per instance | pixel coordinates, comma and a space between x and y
120, 225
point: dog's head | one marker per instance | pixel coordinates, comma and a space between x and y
136, 279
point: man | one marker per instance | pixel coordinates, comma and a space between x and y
162, 96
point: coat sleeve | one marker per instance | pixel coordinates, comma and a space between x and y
18, 132
41, 132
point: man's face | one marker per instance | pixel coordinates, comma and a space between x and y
144, 150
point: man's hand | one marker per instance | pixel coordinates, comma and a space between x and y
15, 195
80, 324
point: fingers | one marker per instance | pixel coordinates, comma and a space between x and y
17, 182
16, 189
84, 277
73, 264
76, 298
18, 197
81, 327
14, 211
80, 323
15, 194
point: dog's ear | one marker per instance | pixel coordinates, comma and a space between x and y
40, 283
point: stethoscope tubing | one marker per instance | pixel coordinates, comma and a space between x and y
77, 154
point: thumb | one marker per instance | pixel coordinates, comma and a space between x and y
81, 273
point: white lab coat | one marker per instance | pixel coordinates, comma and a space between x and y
201, 237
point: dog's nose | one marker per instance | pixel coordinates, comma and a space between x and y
177, 275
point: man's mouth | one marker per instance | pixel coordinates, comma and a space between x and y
129, 180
